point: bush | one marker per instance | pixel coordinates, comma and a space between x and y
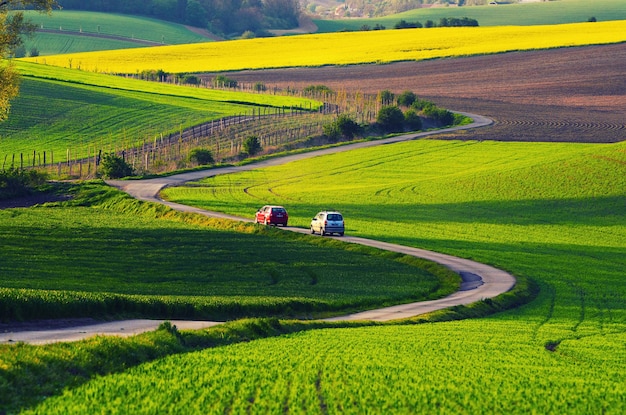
406, 99
19, 182
343, 127
221, 81
412, 120
259, 87
440, 115
316, 90
252, 145
201, 156
113, 166
403, 24
189, 80
420, 104
390, 119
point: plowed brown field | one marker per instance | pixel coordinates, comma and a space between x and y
568, 95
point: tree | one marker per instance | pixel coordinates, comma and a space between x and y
343, 127
12, 27
115, 167
201, 156
406, 99
391, 119
412, 120
251, 145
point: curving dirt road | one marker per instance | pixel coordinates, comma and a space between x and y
480, 281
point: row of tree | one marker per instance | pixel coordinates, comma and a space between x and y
443, 22
224, 17
369, 8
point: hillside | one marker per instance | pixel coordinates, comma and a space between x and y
66, 31
505, 13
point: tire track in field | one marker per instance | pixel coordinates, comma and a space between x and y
480, 281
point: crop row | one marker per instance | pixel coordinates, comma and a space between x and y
406, 369
131, 27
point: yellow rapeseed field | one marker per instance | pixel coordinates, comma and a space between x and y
342, 48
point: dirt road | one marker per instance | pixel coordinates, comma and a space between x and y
480, 281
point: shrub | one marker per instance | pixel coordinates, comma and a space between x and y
420, 104
113, 166
403, 24
343, 127
190, 80
19, 182
224, 82
440, 115
412, 120
406, 99
201, 156
313, 90
252, 145
391, 119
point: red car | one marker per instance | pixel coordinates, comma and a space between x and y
271, 215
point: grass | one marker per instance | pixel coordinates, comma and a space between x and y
409, 369
68, 24
343, 48
55, 44
550, 212
61, 111
104, 254
540, 13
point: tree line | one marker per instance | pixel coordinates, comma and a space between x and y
228, 18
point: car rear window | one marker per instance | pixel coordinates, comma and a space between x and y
335, 217
278, 210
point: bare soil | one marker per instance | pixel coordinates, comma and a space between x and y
558, 95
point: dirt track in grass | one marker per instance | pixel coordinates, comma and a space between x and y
566, 95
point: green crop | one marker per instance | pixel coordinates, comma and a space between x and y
69, 28
539, 13
75, 113
116, 256
552, 212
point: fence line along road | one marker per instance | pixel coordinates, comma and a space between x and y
480, 281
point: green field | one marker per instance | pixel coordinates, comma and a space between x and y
547, 211
552, 212
541, 13
60, 111
106, 254
67, 26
